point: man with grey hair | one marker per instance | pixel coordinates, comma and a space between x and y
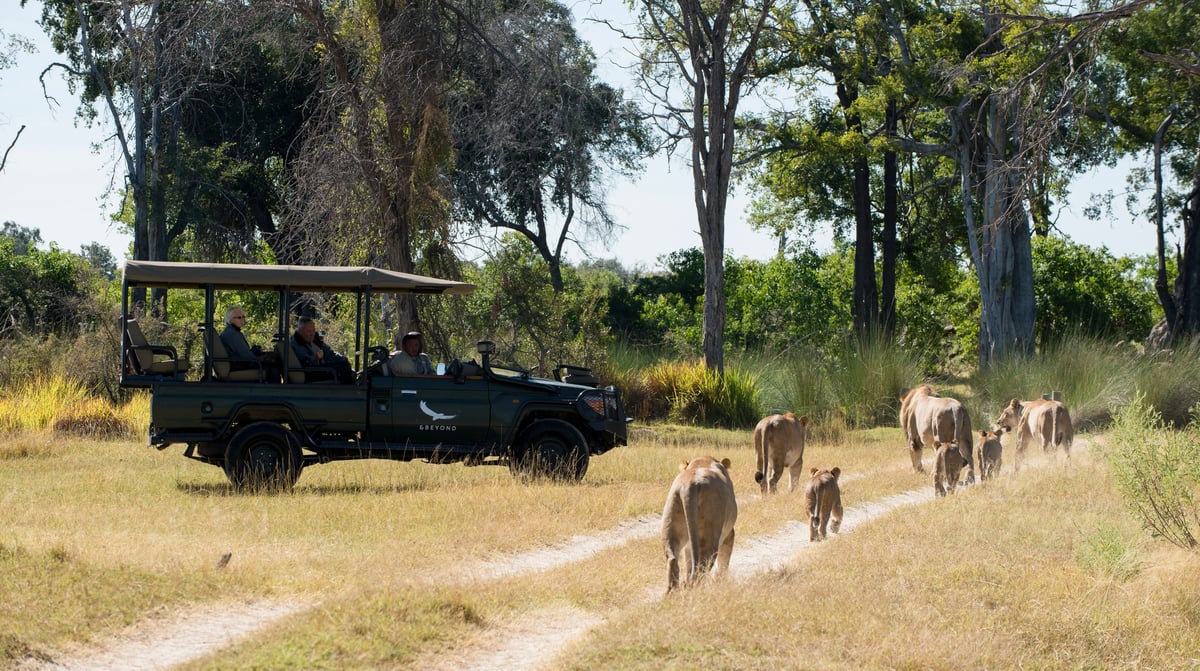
313, 352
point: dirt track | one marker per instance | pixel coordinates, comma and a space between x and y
531, 642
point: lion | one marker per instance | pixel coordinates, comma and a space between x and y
990, 455
823, 502
928, 418
699, 515
779, 445
1048, 421
948, 466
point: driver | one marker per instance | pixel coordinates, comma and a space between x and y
411, 358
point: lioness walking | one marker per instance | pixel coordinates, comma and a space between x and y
698, 520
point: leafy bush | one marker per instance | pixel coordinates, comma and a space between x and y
1157, 471
1081, 288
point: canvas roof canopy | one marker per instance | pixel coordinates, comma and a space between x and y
173, 275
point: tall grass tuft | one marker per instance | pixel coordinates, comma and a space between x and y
1169, 381
868, 378
32, 403
93, 418
688, 392
625, 368
1110, 552
1095, 377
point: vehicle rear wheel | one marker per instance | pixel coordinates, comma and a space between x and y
550, 448
263, 456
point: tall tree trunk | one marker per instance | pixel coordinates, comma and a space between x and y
1188, 317
1000, 239
1166, 297
889, 249
866, 291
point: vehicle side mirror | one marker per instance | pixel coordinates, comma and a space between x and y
486, 347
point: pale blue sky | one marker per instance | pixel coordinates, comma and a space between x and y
56, 182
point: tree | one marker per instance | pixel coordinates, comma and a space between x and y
139, 60
370, 186
1147, 103
24, 239
100, 258
711, 47
535, 133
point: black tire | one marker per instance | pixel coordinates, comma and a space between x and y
263, 456
550, 448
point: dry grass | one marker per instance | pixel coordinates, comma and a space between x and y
1040, 570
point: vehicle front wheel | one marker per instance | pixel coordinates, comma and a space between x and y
263, 456
550, 448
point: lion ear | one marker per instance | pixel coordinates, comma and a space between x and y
804, 420
983, 433
726, 462
683, 465
1016, 403
836, 471
813, 471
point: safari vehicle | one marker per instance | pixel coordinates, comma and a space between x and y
263, 433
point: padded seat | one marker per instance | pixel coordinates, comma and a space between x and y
145, 358
297, 374
223, 364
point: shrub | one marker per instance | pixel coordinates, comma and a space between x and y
1157, 471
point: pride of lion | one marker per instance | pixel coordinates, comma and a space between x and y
701, 509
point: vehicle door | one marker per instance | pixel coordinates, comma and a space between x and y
431, 409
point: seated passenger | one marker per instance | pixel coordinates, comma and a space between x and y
313, 352
411, 358
241, 355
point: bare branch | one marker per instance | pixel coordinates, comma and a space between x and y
1189, 69
4, 159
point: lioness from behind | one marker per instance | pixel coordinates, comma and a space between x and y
1047, 421
823, 501
949, 463
990, 455
698, 520
779, 445
928, 418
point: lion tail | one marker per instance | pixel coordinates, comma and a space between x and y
1054, 440
691, 515
760, 454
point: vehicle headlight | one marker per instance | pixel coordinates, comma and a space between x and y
591, 403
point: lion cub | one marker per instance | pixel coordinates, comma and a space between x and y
823, 501
949, 464
698, 517
990, 453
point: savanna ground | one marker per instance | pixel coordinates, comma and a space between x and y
390, 565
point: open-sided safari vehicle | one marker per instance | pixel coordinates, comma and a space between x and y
263, 432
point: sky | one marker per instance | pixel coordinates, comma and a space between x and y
56, 180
